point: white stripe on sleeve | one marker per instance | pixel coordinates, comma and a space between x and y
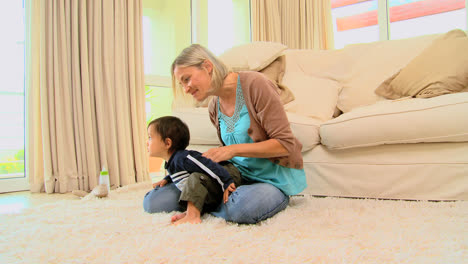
180, 175
210, 172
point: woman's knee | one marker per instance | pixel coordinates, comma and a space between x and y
250, 204
162, 199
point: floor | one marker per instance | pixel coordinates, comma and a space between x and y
15, 202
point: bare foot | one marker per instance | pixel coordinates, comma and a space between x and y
177, 217
188, 219
192, 215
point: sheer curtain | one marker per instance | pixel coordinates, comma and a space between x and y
298, 24
85, 94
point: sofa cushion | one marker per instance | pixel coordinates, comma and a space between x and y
411, 120
315, 97
331, 64
202, 132
275, 72
377, 61
253, 56
441, 68
262, 56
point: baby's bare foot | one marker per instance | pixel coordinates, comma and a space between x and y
188, 219
177, 217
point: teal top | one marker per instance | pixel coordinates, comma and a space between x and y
234, 131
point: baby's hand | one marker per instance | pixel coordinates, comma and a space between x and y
160, 183
231, 188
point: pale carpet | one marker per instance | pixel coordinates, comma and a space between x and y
310, 230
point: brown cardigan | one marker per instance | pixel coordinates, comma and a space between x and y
267, 117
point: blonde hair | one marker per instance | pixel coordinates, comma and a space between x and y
196, 55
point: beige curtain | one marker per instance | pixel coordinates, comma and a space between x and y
298, 24
85, 94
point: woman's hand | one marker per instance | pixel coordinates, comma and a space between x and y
231, 188
266, 149
219, 154
160, 183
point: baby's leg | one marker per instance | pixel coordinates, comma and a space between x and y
201, 192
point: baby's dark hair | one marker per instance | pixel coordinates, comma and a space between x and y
173, 128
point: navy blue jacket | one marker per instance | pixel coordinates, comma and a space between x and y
184, 162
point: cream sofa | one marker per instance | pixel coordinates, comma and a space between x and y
355, 142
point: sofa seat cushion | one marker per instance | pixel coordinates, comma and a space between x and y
202, 132
438, 119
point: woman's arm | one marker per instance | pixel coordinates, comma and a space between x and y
268, 119
273, 139
265, 149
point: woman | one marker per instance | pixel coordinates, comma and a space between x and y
254, 130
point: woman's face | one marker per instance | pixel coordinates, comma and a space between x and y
194, 80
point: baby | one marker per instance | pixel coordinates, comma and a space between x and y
202, 182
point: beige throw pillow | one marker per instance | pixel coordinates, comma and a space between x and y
441, 68
253, 56
275, 72
262, 56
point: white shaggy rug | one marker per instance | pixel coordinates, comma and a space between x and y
310, 230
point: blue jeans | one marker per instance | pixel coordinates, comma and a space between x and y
249, 204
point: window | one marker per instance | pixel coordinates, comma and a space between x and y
221, 32
354, 23
170, 26
228, 24
357, 21
166, 31
408, 18
12, 175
